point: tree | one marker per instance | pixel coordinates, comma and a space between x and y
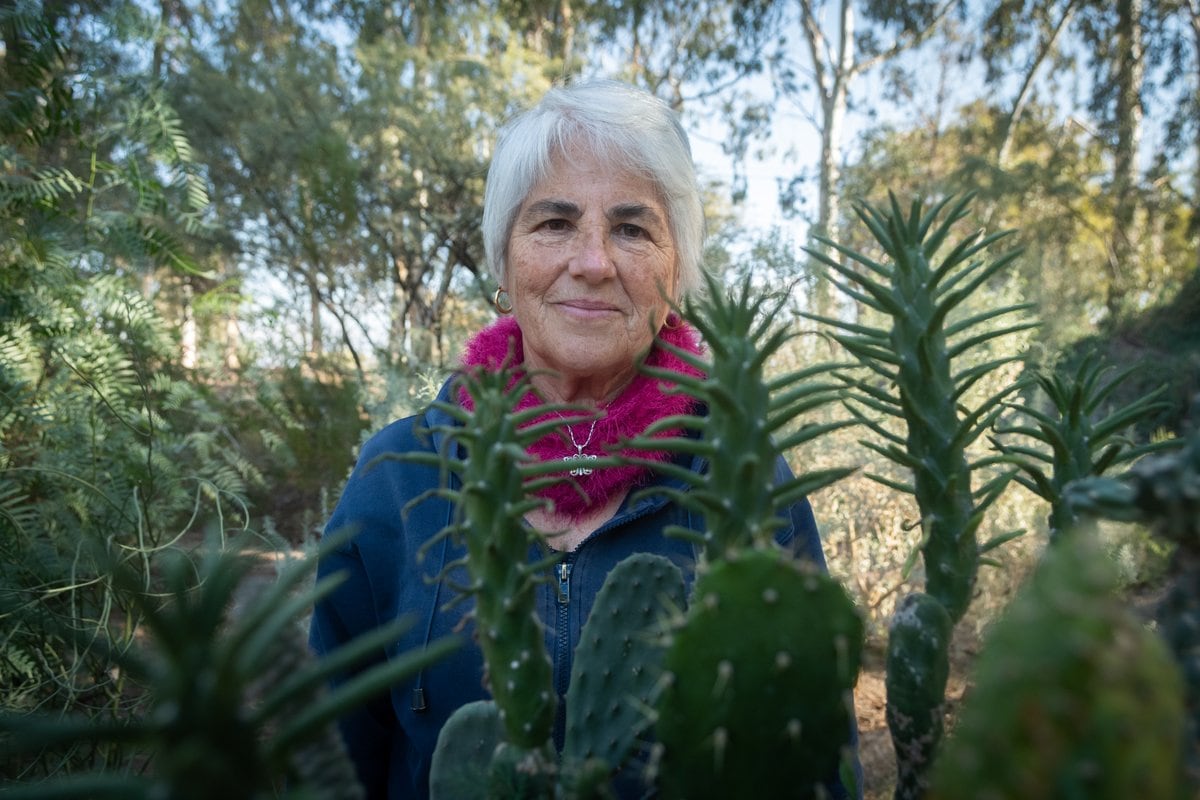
837, 51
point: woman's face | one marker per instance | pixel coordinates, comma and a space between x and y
589, 260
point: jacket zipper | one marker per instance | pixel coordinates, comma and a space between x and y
562, 644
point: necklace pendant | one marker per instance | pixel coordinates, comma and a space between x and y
579, 456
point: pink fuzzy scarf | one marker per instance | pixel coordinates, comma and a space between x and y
627, 416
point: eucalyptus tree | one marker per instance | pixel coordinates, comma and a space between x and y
347, 145
840, 42
1175, 24
1120, 43
1053, 192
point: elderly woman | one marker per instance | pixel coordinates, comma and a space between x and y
592, 217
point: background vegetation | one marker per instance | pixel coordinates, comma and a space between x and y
237, 237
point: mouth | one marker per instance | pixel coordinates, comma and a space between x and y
587, 307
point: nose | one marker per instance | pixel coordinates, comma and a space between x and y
592, 261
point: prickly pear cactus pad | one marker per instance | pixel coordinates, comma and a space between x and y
1164, 492
1073, 696
618, 661
757, 700
462, 760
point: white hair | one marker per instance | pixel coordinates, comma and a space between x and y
630, 127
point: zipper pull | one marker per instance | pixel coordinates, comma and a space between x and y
564, 583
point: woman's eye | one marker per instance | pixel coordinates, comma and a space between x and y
555, 224
630, 231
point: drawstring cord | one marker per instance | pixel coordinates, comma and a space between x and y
418, 703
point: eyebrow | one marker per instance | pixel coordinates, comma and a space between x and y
569, 210
557, 208
634, 211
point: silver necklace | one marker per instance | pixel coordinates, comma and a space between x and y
579, 470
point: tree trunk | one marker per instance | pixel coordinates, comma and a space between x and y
316, 344
833, 87
1130, 73
1045, 48
233, 341
189, 357
1193, 8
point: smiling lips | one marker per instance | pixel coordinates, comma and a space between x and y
587, 307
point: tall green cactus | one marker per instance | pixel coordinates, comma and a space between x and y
746, 423
1072, 696
759, 670
497, 478
919, 379
1076, 445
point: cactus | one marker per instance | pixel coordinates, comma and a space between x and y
918, 666
1163, 490
1077, 446
618, 661
237, 704
917, 358
807, 650
462, 760
760, 677
614, 680
744, 430
497, 478
1072, 696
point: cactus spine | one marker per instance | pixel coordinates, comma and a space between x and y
1072, 696
918, 355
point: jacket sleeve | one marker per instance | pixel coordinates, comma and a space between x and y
370, 732
367, 731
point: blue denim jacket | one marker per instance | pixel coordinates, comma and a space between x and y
391, 740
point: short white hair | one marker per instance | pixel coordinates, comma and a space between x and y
630, 127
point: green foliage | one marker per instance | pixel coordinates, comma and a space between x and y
234, 704
917, 377
106, 446
1164, 491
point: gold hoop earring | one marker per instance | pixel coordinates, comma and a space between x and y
505, 307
